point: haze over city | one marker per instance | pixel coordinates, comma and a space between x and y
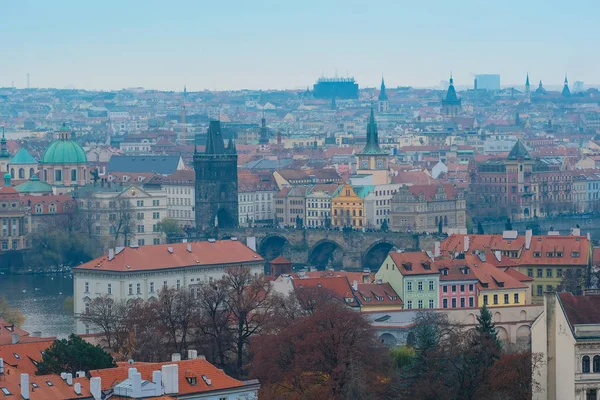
285, 45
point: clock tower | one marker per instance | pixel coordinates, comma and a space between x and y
372, 160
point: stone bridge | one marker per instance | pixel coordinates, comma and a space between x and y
352, 250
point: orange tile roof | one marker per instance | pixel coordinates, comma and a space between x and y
156, 257
490, 277
338, 285
414, 263
22, 355
58, 390
196, 367
429, 191
377, 294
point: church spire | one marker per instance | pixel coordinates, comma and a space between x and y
527, 80
566, 92
372, 146
3, 149
382, 93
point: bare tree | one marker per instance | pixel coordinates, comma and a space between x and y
213, 319
250, 305
175, 311
122, 220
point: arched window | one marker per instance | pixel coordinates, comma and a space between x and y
73, 175
45, 176
12, 173
354, 213
596, 364
58, 175
445, 220
21, 173
31, 172
585, 364
38, 208
360, 213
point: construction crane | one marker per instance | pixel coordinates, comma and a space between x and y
183, 127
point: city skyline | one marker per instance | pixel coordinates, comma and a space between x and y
288, 46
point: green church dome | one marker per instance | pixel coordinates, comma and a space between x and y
64, 150
34, 185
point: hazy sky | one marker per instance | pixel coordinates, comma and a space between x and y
272, 44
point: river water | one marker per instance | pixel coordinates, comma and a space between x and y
41, 300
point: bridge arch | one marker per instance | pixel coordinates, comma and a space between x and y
273, 246
375, 254
326, 253
388, 339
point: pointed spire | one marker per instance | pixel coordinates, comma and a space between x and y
527, 80
231, 146
214, 139
372, 146
3, 150
451, 79
382, 93
566, 92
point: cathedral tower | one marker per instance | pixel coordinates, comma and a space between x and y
216, 182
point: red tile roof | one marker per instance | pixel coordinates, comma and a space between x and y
338, 285
196, 367
377, 294
580, 310
414, 263
155, 257
429, 191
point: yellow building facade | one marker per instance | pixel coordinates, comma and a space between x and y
347, 208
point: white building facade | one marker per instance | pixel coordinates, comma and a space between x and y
129, 273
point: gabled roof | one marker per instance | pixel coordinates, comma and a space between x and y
22, 157
338, 285
414, 263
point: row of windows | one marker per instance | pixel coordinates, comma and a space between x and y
409, 304
462, 302
179, 201
179, 190
516, 298
179, 213
585, 364
549, 273
454, 287
409, 285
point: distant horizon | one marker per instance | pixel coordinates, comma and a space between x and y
459, 87
274, 45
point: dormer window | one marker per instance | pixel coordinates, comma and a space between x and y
192, 380
537, 254
426, 265
379, 298
407, 266
575, 254
349, 299
559, 254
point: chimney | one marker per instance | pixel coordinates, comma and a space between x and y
1, 366
96, 387
157, 380
189, 247
355, 285
136, 385
528, 236
25, 386
576, 232
437, 251
77, 388
63, 376
15, 338
192, 354
170, 377
130, 372
466, 243
111, 254
70, 379
175, 357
